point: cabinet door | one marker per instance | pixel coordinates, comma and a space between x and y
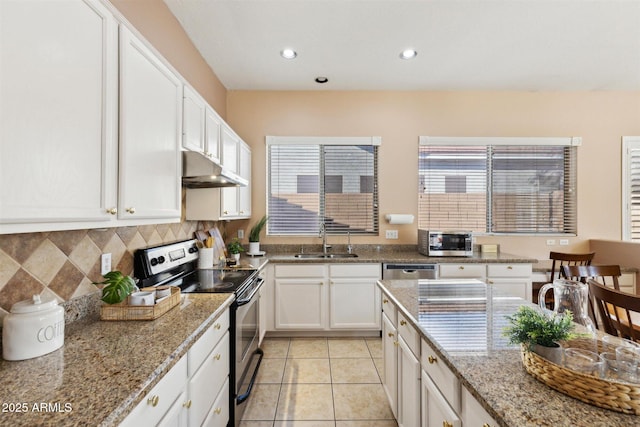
517, 286
219, 414
473, 414
58, 106
229, 202
463, 271
301, 303
150, 133
390, 363
408, 387
230, 147
344, 313
178, 413
213, 124
193, 119
244, 193
436, 412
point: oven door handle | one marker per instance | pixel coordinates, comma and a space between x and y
246, 300
244, 396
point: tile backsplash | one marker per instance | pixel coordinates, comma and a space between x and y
66, 263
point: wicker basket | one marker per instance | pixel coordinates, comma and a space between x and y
605, 393
123, 311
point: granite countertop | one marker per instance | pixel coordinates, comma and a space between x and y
469, 340
403, 254
104, 368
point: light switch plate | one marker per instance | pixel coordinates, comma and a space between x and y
551, 242
564, 242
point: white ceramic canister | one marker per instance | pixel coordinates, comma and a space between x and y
33, 328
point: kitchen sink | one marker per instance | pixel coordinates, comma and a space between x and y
330, 255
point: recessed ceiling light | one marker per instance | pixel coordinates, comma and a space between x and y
408, 54
321, 80
288, 53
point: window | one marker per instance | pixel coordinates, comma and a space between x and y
631, 188
313, 180
498, 185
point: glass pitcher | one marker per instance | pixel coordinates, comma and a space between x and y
569, 295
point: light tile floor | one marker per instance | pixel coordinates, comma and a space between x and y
319, 382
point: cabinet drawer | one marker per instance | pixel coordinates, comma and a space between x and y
389, 309
199, 351
219, 414
410, 335
509, 270
446, 381
156, 403
208, 380
302, 270
463, 270
354, 270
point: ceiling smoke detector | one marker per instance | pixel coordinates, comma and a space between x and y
321, 80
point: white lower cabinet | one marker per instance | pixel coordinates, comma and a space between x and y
436, 411
408, 413
390, 363
473, 414
326, 297
515, 279
195, 391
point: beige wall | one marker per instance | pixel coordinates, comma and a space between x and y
600, 118
156, 23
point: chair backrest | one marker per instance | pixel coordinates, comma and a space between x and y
561, 259
619, 311
605, 274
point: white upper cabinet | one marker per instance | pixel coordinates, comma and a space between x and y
150, 134
58, 110
212, 128
230, 149
193, 134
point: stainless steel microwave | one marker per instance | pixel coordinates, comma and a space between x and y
445, 243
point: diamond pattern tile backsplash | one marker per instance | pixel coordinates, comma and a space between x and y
66, 263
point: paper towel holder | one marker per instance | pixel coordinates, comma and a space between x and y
399, 218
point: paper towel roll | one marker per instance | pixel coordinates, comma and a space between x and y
399, 218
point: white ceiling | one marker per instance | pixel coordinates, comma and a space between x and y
533, 45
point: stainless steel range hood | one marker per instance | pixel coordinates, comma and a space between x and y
199, 171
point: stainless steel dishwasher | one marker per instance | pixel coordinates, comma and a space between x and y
409, 271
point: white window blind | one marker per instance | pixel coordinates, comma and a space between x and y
498, 185
314, 180
631, 188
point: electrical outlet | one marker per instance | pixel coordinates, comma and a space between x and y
391, 234
105, 264
564, 242
551, 242
240, 233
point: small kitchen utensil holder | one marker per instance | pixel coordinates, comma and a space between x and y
606, 393
123, 311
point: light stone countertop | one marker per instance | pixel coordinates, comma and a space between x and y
104, 368
487, 365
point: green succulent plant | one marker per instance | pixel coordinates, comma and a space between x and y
530, 326
118, 287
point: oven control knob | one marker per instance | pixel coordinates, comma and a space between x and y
193, 249
160, 259
154, 261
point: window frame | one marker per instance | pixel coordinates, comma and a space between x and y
374, 141
506, 141
629, 144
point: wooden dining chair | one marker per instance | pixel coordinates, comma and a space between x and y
619, 311
606, 275
559, 260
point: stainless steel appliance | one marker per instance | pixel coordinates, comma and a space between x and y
175, 264
445, 243
409, 271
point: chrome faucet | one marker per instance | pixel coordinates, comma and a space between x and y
323, 234
349, 247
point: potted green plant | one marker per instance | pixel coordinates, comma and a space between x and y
254, 235
539, 332
117, 287
234, 247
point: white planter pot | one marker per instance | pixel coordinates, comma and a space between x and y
236, 257
254, 248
